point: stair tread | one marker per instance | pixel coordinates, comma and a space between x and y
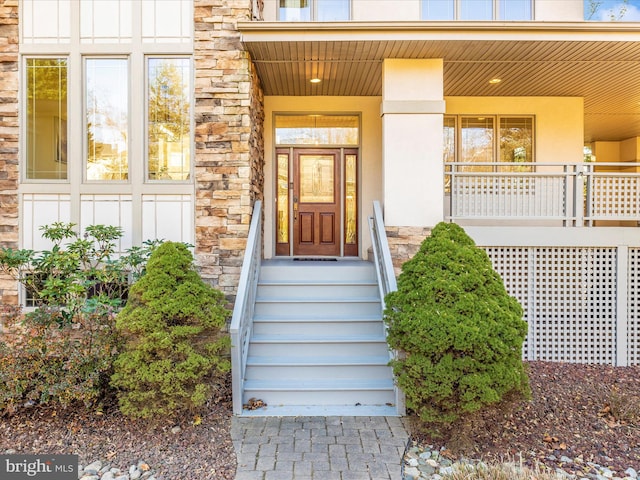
356, 360
324, 384
333, 283
368, 299
315, 319
316, 338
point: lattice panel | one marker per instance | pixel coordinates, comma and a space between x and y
488, 195
575, 305
615, 197
633, 307
513, 266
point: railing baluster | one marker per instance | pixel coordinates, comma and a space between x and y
574, 194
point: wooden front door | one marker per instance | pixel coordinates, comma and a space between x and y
316, 202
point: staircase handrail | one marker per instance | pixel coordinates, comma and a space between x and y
381, 253
242, 319
386, 278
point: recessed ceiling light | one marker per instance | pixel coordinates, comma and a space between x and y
315, 80
495, 81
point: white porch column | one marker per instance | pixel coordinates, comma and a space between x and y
412, 121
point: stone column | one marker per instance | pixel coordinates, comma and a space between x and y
412, 123
229, 154
9, 173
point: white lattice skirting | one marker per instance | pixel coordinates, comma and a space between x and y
582, 304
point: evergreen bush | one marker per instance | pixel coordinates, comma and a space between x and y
173, 325
458, 333
62, 350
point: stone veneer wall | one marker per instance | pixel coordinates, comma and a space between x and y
9, 139
404, 242
229, 155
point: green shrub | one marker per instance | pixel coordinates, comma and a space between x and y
458, 332
63, 350
173, 325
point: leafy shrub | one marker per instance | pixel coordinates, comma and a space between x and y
458, 332
63, 350
173, 325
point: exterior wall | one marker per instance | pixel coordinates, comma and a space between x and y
553, 10
404, 242
370, 154
228, 140
9, 139
630, 150
559, 121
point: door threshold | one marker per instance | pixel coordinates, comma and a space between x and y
315, 259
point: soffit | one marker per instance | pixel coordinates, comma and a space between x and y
602, 67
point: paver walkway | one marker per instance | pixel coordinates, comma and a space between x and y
318, 448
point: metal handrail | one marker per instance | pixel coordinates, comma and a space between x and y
386, 276
381, 253
242, 319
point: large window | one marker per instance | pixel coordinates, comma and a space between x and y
169, 114
509, 10
314, 10
486, 139
107, 113
46, 92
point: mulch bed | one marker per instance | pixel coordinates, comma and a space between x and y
586, 413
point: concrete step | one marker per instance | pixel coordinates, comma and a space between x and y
312, 327
319, 368
350, 391
317, 346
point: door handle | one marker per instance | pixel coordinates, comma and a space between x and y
295, 209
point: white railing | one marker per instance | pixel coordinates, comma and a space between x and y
242, 320
386, 276
381, 253
568, 194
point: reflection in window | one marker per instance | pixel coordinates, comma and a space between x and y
317, 129
477, 142
350, 206
46, 152
107, 113
169, 106
477, 10
314, 10
476, 136
283, 198
516, 141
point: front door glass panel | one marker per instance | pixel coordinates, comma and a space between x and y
317, 179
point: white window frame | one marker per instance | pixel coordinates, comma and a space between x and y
313, 13
75, 185
457, 8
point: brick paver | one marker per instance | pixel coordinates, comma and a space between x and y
318, 448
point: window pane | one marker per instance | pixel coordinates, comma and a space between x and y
283, 198
476, 10
107, 119
169, 140
46, 118
516, 141
515, 10
477, 141
317, 130
438, 10
295, 10
449, 150
351, 200
333, 10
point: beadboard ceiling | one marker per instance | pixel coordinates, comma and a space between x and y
603, 68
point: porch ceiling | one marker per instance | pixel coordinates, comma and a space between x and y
599, 63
